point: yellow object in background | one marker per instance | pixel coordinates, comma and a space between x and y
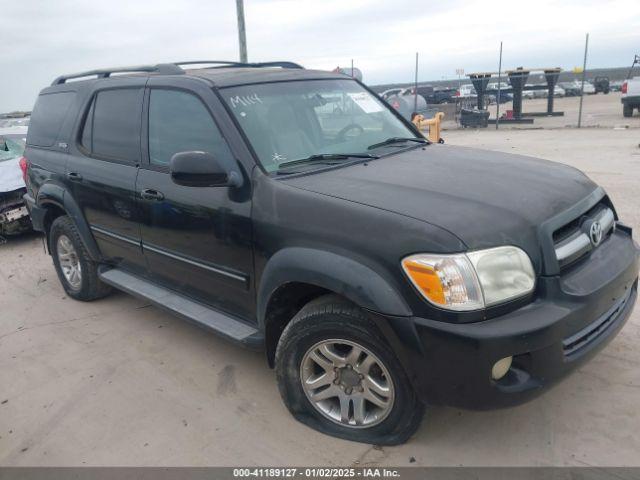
434, 125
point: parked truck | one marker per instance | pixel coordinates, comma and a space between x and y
630, 96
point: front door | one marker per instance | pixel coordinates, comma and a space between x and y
197, 240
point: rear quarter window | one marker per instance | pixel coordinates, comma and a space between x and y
49, 114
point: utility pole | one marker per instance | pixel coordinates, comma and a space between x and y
242, 36
415, 87
584, 72
499, 87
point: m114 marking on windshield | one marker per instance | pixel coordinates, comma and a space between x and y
245, 100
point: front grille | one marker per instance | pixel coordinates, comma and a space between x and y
570, 228
579, 343
573, 240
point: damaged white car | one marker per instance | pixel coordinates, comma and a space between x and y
14, 217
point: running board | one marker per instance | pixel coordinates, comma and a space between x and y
183, 307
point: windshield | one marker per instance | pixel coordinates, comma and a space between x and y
11, 146
289, 121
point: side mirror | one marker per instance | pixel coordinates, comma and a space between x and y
201, 169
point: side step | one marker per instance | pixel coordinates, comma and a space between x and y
183, 307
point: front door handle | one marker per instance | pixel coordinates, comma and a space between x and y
151, 194
74, 176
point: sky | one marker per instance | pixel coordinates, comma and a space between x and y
41, 39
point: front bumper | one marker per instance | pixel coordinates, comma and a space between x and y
573, 316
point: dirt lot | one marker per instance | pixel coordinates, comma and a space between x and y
117, 382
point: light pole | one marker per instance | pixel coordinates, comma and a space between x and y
242, 36
584, 72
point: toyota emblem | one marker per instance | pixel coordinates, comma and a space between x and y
595, 233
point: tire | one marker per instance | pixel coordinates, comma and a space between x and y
66, 247
627, 110
332, 319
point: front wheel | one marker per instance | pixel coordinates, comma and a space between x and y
337, 374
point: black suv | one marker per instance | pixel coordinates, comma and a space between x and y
293, 211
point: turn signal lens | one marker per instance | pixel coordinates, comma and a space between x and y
447, 281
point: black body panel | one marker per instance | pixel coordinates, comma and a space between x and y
484, 198
103, 187
198, 240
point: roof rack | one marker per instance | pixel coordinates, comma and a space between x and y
161, 68
171, 68
226, 63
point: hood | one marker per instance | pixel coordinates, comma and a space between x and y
10, 175
485, 198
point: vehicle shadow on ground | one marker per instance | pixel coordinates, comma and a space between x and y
19, 240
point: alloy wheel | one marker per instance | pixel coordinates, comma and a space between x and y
69, 262
347, 383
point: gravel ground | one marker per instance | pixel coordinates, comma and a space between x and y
118, 382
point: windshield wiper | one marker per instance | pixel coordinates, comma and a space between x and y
392, 140
327, 156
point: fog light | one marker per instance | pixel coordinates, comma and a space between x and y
501, 367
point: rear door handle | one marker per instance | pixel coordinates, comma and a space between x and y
151, 194
74, 176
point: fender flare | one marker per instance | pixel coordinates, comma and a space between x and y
52, 193
342, 275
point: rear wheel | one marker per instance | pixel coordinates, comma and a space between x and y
627, 110
337, 374
78, 274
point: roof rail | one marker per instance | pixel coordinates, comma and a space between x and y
171, 68
222, 63
226, 63
161, 68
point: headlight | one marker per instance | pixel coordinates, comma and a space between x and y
473, 280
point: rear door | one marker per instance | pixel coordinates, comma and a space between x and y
104, 166
197, 240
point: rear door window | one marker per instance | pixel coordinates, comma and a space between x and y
49, 114
116, 124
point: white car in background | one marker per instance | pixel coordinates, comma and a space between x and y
541, 92
14, 217
390, 92
494, 86
466, 91
589, 89
528, 93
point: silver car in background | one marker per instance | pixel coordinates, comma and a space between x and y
14, 217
